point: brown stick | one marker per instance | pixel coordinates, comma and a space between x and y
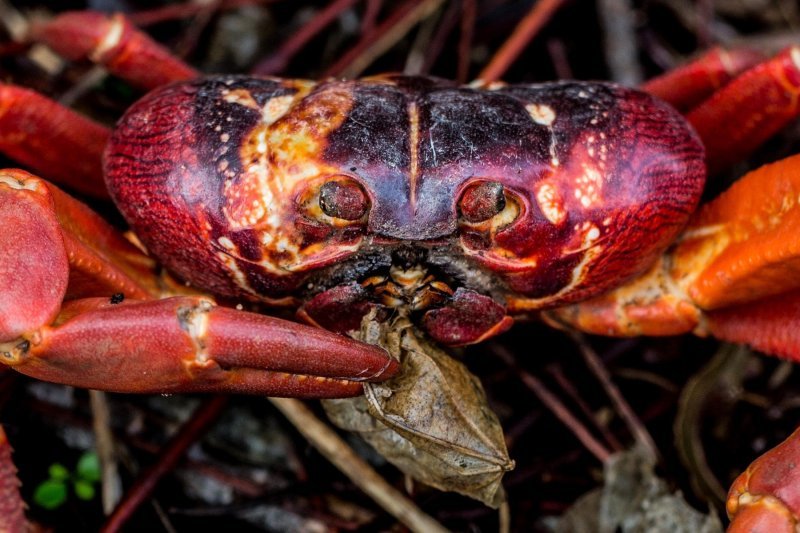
143, 487
558, 409
336, 450
382, 38
523, 34
278, 61
104, 443
624, 409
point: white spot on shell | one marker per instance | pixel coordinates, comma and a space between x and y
541, 114
226, 243
550, 203
275, 108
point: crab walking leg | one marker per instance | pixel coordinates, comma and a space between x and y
115, 43
771, 325
766, 497
739, 250
688, 85
738, 118
52, 139
188, 344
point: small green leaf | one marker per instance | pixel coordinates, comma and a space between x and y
50, 494
83, 489
58, 472
89, 467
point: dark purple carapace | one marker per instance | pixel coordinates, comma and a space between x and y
461, 203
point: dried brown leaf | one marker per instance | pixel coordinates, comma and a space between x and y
432, 421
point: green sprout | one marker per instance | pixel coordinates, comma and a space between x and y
52, 493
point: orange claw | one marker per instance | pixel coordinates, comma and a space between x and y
115, 43
766, 497
53, 247
33, 283
744, 245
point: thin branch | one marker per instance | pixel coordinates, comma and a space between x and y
375, 43
104, 442
556, 406
201, 420
336, 450
526, 30
624, 409
278, 61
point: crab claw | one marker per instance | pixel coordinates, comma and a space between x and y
468, 318
766, 496
188, 344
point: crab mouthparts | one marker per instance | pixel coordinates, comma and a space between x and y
453, 317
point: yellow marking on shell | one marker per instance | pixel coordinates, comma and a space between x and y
488, 86
276, 107
242, 97
541, 114
238, 276
280, 157
226, 243
550, 203
544, 115
413, 172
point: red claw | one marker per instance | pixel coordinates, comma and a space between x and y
30, 295
12, 508
468, 318
766, 497
187, 344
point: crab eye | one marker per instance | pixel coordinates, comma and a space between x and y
482, 201
343, 199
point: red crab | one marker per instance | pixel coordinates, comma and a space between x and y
465, 205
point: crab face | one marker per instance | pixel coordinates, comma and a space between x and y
459, 203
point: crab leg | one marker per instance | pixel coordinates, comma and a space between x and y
52, 139
688, 85
115, 43
738, 118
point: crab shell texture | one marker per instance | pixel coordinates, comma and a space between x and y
221, 179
